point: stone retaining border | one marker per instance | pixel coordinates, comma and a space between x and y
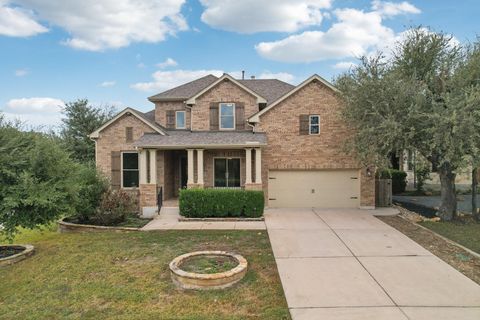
66, 227
201, 281
28, 251
228, 219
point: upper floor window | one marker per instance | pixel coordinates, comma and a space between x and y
314, 124
180, 120
226, 116
130, 169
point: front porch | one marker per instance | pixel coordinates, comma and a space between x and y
167, 171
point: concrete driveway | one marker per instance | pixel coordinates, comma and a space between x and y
347, 264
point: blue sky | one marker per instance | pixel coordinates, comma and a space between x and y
122, 51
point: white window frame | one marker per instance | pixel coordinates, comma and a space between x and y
310, 124
184, 119
220, 115
121, 169
227, 158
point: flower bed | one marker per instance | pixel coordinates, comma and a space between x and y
10, 254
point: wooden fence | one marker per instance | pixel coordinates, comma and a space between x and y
383, 192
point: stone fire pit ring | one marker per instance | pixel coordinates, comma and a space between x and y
203, 281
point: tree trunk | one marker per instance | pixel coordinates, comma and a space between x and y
448, 206
475, 213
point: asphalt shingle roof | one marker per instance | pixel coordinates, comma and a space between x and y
270, 89
201, 138
186, 90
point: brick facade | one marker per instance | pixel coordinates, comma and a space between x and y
113, 138
225, 91
286, 148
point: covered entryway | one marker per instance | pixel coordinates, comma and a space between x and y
314, 188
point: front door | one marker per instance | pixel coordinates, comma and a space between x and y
227, 172
183, 172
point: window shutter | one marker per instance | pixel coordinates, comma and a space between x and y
129, 134
304, 122
239, 116
170, 119
214, 116
116, 169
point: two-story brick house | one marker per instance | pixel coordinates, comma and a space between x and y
226, 133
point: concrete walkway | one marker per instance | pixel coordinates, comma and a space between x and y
347, 264
168, 220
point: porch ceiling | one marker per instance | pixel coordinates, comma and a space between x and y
202, 139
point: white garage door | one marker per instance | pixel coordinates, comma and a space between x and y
319, 188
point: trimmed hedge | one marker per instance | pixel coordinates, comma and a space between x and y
399, 179
214, 203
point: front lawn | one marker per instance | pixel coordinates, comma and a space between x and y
466, 234
125, 276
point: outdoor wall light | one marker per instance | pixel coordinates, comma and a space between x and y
369, 172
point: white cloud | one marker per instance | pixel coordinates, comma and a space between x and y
250, 16
34, 105
391, 9
18, 22
284, 76
21, 72
355, 33
106, 84
98, 25
344, 65
169, 62
164, 80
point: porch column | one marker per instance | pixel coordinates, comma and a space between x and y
190, 167
200, 166
248, 165
142, 166
258, 165
153, 166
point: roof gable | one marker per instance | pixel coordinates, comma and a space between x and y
139, 115
315, 77
225, 76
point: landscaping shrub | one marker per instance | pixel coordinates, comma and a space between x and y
399, 179
115, 207
203, 203
91, 185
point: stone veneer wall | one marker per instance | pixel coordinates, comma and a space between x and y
287, 149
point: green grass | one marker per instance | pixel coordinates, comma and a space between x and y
113, 275
209, 264
466, 234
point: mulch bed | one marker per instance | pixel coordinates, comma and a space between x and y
455, 256
9, 251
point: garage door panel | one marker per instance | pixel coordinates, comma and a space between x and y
319, 188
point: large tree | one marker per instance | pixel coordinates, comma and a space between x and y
81, 119
415, 100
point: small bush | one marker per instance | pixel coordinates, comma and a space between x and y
92, 185
399, 179
203, 203
115, 207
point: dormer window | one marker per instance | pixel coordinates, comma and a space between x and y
180, 120
226, 116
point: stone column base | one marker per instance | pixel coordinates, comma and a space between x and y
148, 195
253, 186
